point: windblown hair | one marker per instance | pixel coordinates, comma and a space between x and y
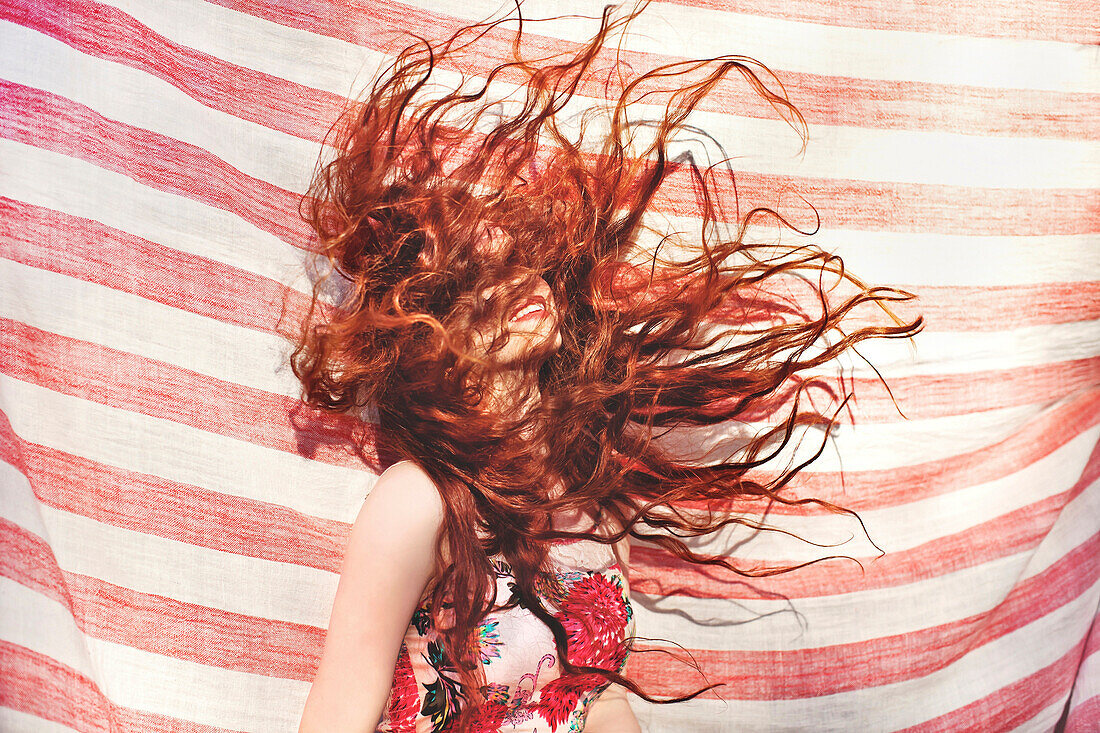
424, 171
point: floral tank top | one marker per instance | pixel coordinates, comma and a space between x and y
526, 691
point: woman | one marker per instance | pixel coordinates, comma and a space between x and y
487, 298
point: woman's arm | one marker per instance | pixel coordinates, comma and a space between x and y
389, 559
611, 712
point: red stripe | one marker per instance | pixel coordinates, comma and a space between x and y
153, 505
1012, 705
1001, 307
829, 100
196, 633
901, 207
958, 108
658, 573
45, 120
108, 33
29, 561
1045, 20
60, 125
944, 395
40, 686
802, 673
150, 387
93, 252
170, 627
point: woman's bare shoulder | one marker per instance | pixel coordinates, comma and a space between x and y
410, 501
404, 505
406, 479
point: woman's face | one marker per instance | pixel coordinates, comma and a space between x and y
531, 319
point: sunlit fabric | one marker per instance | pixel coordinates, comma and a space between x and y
172, 525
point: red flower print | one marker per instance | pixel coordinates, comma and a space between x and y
489, 717
559, 698
404, 699
594, 615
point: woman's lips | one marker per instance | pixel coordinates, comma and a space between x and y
529, 309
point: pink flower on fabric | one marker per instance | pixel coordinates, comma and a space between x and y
488, 638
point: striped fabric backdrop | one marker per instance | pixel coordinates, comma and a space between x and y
171, 526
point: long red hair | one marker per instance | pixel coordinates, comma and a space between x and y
423, 169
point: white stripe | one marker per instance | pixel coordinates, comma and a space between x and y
205, 694
947, 260
188, 573
181, 453
118, 320
910, 258
150, 103
43, 625
859, 616
965, 352
822, 621
864, 446
78, 188
927, 157
671, 30
891, 707
1087, 685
